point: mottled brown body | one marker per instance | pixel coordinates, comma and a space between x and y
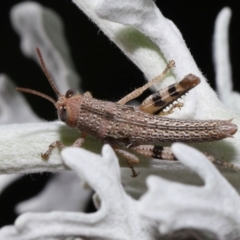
128, 126
138, 128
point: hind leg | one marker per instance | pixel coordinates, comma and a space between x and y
165, 153
159, 152
157, 102
150, 151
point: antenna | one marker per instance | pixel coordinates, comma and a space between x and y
44, 68
27, 90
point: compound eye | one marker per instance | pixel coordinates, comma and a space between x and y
62, 113
70, 93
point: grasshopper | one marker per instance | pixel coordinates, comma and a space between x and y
140, 128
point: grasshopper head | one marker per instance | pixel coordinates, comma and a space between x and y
67, 105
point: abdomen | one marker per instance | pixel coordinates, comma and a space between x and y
126, 125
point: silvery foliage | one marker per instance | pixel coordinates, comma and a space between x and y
208, 208
30, 21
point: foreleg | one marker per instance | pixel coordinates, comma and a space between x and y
56, 144
131, 159
60, 146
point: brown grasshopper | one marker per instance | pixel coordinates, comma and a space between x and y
139, 128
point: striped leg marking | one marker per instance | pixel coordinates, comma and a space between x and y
158, 152
155, 103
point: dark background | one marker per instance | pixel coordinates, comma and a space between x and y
104, 70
